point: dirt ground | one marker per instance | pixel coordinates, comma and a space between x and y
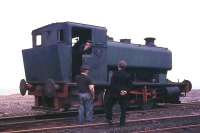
15, 105
192, 96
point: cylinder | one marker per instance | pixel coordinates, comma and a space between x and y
125, 40
149, 41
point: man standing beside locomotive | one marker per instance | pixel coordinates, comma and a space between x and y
120, 82
86, 95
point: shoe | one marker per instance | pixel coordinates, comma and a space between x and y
61, 109
89, 121
122, 124
110, 122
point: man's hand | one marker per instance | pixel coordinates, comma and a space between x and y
123, 92
92, 90
87, 47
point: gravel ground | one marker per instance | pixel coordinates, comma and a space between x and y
15, 105
192, 96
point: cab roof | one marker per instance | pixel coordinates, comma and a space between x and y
65, 24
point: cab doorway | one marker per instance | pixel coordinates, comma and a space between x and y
79, 37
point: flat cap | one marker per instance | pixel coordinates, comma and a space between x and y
85, 67
122, 64
89, 41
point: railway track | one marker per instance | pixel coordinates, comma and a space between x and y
18, 123
141, 125
192, 128
23, 121
28, 118
54, 114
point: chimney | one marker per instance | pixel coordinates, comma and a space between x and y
149, 41
125, 40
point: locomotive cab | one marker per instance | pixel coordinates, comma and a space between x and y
60, 39
51, 64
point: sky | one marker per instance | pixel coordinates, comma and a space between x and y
174, 23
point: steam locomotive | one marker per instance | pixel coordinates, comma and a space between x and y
49, 68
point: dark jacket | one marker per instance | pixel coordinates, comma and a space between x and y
120, 80
83, 82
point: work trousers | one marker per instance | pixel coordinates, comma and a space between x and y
85, 108
110, 101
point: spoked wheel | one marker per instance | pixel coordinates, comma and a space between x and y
50, 88
149, 105
105, 96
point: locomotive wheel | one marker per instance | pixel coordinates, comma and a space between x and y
66, 106
187, 85
149, 105
50, 88
105, 96
22, 87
